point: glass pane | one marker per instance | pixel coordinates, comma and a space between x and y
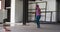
0, 4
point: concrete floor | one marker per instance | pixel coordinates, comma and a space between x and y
1, 27
31, 27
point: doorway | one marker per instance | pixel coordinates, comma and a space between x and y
7, 7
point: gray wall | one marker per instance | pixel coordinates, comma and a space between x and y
1, 16
18, 11
1, 10
4, 14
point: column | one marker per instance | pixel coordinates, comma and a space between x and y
25, 11
12, 13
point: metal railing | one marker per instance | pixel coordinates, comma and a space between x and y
45, 14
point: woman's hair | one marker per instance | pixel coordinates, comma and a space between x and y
37, 5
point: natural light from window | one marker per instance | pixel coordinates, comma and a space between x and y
0, 4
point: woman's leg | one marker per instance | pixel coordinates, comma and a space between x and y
37, 21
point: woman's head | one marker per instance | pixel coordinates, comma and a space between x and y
37, 5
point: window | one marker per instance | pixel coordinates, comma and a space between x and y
0, 4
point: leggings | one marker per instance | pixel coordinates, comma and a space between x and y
37, 21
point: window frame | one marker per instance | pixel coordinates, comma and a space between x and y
2, 4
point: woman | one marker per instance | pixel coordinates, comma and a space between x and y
38, 15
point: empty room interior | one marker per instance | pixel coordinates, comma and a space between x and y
19, 15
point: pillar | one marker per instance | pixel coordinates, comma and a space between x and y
25, 11
12, 13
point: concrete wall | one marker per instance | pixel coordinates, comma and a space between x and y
1, 10
4, 14
18, 11
1, 16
